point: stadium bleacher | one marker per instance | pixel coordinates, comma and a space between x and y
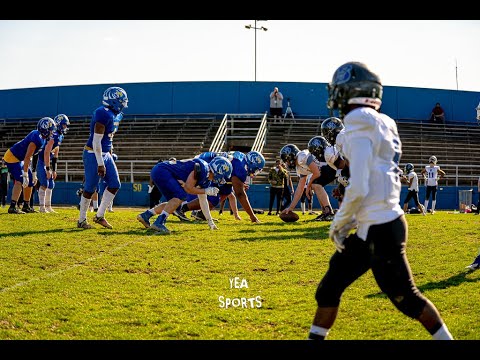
141, 142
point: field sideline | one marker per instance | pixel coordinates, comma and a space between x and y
243, 282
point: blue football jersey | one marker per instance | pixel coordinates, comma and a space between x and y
19, 149
106, 117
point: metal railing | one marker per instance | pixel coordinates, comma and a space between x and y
259, 141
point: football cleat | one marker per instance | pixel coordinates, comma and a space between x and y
14, 210
28, 210
50, 210
160, 229
84, 225
102, 221
474, 266
144, 219
181, 215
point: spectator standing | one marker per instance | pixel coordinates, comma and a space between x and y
438, 114
276, 104
277, 176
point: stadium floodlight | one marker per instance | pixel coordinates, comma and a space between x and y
249, 26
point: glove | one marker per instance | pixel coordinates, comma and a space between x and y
25, 179
212, 191
212, 224
339, 233
150, 188
343, 180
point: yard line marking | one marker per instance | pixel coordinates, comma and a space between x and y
55, 273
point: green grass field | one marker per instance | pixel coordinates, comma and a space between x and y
60, 282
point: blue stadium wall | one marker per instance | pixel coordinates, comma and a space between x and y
136, 195
307, 100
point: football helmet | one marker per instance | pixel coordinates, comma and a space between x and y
222, 169
317, 146
60, 121
255, 163
408, 168
354, 83
432, 159
115, 98
46, 126
330, 128
288, 154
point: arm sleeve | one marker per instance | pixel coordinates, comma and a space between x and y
97, 148
34, 162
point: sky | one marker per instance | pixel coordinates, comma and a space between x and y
438, 54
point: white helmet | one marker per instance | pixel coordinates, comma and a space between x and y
432, 159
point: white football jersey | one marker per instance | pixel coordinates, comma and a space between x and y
331, 154
304, 158
432, 175
339, 141
373, 147
414, 185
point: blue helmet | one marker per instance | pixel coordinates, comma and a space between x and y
222, 169
115, 98
46, 126
255, 163
60, 121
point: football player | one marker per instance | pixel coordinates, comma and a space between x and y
305, 163
18, 159
333, 129
97, 158
432, 173
244, 166
411, 178
176, 179
372, 206
47, 164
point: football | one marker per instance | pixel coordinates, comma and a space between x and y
289, 217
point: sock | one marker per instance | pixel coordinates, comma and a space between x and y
13, 204
107, 198
151, 212
41, 197
426, 205
84, 204
317, 333
95, 204
48, 197
303, 207
434, 202
442, 334
184, 207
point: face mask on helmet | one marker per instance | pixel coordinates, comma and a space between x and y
288, 154
330, 128
62, 122
317, 146
221, 168
408, 168
432, 159
354, 84
46, 126
255, 163
115, 98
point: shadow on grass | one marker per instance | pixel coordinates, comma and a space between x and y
454, 280
288, 234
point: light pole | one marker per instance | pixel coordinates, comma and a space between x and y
256, 28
